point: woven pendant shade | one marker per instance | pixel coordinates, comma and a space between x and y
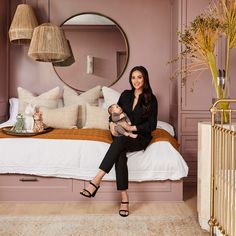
48, 44
23, 24
67, 62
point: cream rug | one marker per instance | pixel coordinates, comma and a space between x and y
100, 225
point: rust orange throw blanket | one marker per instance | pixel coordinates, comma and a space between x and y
94, 134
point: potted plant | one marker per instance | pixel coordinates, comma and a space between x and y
199, 40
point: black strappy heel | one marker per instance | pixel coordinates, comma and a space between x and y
124, 213
88, 194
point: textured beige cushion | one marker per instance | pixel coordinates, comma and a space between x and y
63, 117
96, 117
48, 99
91, 97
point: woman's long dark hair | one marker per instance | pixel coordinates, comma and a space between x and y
147, 91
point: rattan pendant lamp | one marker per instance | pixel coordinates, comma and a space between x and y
22, 25
67, 62
48, 43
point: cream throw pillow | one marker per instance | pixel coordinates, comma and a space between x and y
48, 99
91, 97
62, 118
96, 117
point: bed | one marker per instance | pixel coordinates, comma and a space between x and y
56, 167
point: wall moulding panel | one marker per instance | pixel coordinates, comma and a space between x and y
3, 109
189, 144
193, 168
190, 181
189, 121
190, 157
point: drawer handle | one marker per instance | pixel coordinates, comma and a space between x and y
29, 179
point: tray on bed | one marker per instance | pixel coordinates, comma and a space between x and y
7, 130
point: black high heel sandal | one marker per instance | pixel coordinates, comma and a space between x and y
88, 194
124, 213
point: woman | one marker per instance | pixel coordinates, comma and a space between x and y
141, 106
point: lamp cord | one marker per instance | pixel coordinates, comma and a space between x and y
48, 11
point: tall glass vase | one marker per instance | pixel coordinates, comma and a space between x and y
223, 116
224, 87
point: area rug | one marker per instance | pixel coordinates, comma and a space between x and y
99, 225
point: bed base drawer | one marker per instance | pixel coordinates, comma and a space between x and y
22, 188
30, 188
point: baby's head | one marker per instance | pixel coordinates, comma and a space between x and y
114, 108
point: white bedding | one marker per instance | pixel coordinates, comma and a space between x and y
80, 159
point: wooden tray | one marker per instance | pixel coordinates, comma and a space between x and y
7, 130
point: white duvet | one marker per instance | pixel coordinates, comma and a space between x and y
80, 159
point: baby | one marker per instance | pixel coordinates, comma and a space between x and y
121, 120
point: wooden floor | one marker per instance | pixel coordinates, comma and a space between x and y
188, 207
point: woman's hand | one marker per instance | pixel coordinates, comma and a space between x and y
133, 128
112, 128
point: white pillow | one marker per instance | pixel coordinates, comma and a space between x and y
110, 96
7, 124
48, 99
62, 118
13, 110
166, 126
91, 97
96, 117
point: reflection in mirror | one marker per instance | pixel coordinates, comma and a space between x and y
100, 49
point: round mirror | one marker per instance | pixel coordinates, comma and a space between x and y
100, 48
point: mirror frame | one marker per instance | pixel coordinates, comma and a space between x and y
126, 45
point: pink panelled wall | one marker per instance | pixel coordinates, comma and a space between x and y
3, 60
147, 25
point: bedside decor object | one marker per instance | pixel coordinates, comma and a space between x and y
22, 25
216, 24
28, 117
38, 122
19, 125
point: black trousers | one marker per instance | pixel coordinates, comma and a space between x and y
116, 154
